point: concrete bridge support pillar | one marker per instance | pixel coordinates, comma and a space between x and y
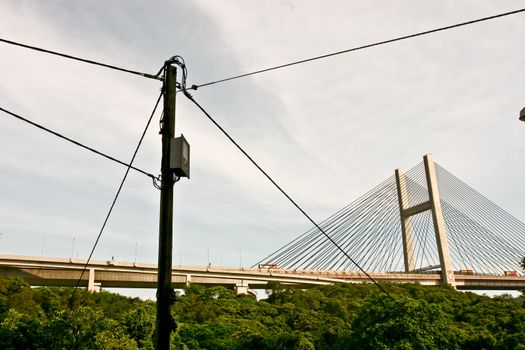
242, 287
92, 286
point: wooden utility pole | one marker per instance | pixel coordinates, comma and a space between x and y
165, 294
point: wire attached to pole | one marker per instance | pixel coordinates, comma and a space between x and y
197, 86
75, 58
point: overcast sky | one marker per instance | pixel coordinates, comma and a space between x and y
328, 131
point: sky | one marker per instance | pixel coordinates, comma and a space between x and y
327, 131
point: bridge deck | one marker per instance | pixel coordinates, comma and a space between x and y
43, 271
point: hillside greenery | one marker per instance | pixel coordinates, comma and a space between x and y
346, 316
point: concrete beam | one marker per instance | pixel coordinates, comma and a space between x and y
417, 209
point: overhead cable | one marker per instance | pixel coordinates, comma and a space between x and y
116, 197
76, 58
74, 142
380, 287
287, 195
195, 87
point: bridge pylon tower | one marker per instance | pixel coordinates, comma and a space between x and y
434, 205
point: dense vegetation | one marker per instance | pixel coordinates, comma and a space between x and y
337, 317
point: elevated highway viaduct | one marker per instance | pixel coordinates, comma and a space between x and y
45, 271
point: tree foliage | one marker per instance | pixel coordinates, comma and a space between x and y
345, 316
39, 318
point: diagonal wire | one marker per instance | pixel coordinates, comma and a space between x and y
287, 196
195, 87
116, 197
380, 287
74, 142
145, 75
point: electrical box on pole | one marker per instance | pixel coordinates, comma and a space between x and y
180, 157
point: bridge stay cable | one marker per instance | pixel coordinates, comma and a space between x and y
416, 187
338, 234
372, 228
356, 222
461, 249
484, 224
426, 256
367, 228
479, 208
116, 197
512, 230
379, 258
485, 242
337, 225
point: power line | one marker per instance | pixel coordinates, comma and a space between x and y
145, 75
195, 87
286, 195
381, 288
75, 142
116, 196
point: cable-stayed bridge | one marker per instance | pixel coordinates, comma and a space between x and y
424, 226
418, 221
